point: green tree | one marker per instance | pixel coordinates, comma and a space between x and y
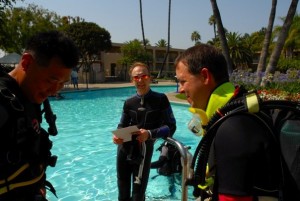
145, 42
21, 23
195, 37
67, 20
7, 3
270, 70
161, 43
292, 41
91, 39
132, 51
3, 5
239, 51
212, 22
215, 42
257, 39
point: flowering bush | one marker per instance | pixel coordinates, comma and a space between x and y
282, 86
248, 77
274, 94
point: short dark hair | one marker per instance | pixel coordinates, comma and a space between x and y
135, 64
207, 56
46, 45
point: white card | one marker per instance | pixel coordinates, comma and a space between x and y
125, 133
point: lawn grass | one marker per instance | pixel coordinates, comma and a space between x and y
181, 96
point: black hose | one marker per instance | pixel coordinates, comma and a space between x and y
202, 151
50, 118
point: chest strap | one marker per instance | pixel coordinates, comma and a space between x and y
10, 186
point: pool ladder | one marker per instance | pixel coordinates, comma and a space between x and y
186, 159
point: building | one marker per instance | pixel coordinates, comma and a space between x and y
108, 68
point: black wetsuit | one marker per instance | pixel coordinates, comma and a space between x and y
247, 158
154, 113
23, 143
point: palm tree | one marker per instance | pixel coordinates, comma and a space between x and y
168, 46
212, 21
240, 53
142, 26
264, 52
221, 34
161, 43
145, 42
293, 40
195, 37
280, 43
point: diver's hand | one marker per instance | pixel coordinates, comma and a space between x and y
117, 140
143, 135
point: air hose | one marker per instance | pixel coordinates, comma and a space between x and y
201, 155
202, 151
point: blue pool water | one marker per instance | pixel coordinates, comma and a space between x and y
85, 169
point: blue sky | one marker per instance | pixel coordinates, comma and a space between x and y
122, 17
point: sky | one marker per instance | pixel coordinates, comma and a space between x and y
121, 18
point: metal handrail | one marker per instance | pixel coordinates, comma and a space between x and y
183, 150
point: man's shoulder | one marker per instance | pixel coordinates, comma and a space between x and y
10, 96
157, 94
245, 122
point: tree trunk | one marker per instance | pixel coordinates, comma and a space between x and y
221, 33
264, 52
86, 80
280, 43
215, 34
168, 47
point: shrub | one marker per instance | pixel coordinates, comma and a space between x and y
286, 64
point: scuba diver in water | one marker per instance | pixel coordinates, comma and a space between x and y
43, 69
151, 112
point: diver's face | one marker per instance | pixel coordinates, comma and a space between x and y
43, 81
141, 79
193, 86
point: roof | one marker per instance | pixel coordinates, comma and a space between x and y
12, 58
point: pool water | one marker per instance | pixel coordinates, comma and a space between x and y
85, 169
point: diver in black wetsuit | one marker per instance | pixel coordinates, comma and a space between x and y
25, 147
151, 112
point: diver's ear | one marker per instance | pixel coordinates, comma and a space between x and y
26, 61
206, 75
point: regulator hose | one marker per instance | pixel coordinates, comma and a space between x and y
200, 159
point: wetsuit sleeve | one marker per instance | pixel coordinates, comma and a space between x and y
168, 123
125, 118
244, 151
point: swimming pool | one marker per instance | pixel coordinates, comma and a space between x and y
85, 169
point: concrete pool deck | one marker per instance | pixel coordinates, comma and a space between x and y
82, 87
